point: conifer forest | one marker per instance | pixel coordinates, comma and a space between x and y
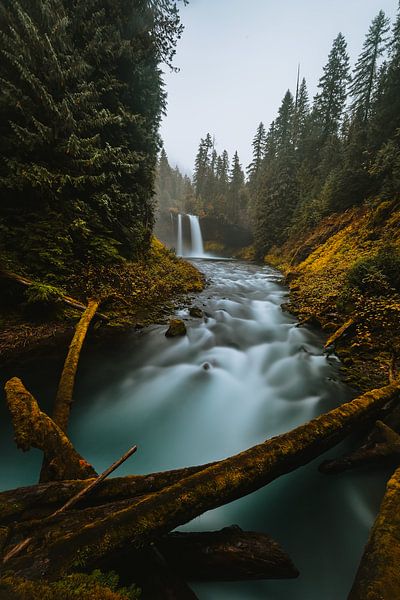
199, 300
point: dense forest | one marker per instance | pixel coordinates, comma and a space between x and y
80, 108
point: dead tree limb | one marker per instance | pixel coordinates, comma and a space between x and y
336, 335
26, 282
34, 429
64, 397
378, 576
152, 516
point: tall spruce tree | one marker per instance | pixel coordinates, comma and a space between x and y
236, 184
330, 101
366, 69
258, 146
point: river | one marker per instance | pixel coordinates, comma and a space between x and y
245, 372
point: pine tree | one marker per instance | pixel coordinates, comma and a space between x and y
330, 101
365, 72
301, 114
284, 123
258, 146
236, 184
386, 118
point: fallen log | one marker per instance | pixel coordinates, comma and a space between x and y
378, 576
26, 282
336, 335
93, 484
382, 447
230, 554
34, 429
146, 519
38, 501
64, 397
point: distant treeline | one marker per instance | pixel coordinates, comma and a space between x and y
81, 98
317, 157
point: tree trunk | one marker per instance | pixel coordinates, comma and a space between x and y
378, 576
154, 515
64, 397
34, 429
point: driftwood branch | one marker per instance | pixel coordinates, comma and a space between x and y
148, 518
378, 576
34, 429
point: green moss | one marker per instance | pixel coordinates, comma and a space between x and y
78, 586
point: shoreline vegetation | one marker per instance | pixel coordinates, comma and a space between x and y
134, 294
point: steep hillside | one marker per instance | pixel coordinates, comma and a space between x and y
345, 276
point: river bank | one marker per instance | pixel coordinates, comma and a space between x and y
135, 294
344, 276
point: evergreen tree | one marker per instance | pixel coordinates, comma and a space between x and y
330, 101
386, 118
236, 184
365, 71
301, 114
258, 146
284, 124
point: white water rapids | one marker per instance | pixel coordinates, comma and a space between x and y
264, 375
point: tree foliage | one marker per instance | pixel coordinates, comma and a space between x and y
80, 105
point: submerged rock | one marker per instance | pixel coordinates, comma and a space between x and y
196, 312
176, 327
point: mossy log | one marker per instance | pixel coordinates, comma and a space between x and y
34, 429
146, 519
336, 335
64, 397
378, 576
381, 447
230, 554
26, 282
38, 501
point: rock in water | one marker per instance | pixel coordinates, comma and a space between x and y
176, 327
196, 312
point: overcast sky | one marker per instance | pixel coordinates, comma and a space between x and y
237, 58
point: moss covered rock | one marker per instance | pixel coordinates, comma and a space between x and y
176, 328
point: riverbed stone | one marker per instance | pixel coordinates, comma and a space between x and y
176, 328
195, 311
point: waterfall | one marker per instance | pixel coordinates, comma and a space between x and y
179, 241
197, 239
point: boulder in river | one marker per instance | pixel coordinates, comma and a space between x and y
195, 311
176, 328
